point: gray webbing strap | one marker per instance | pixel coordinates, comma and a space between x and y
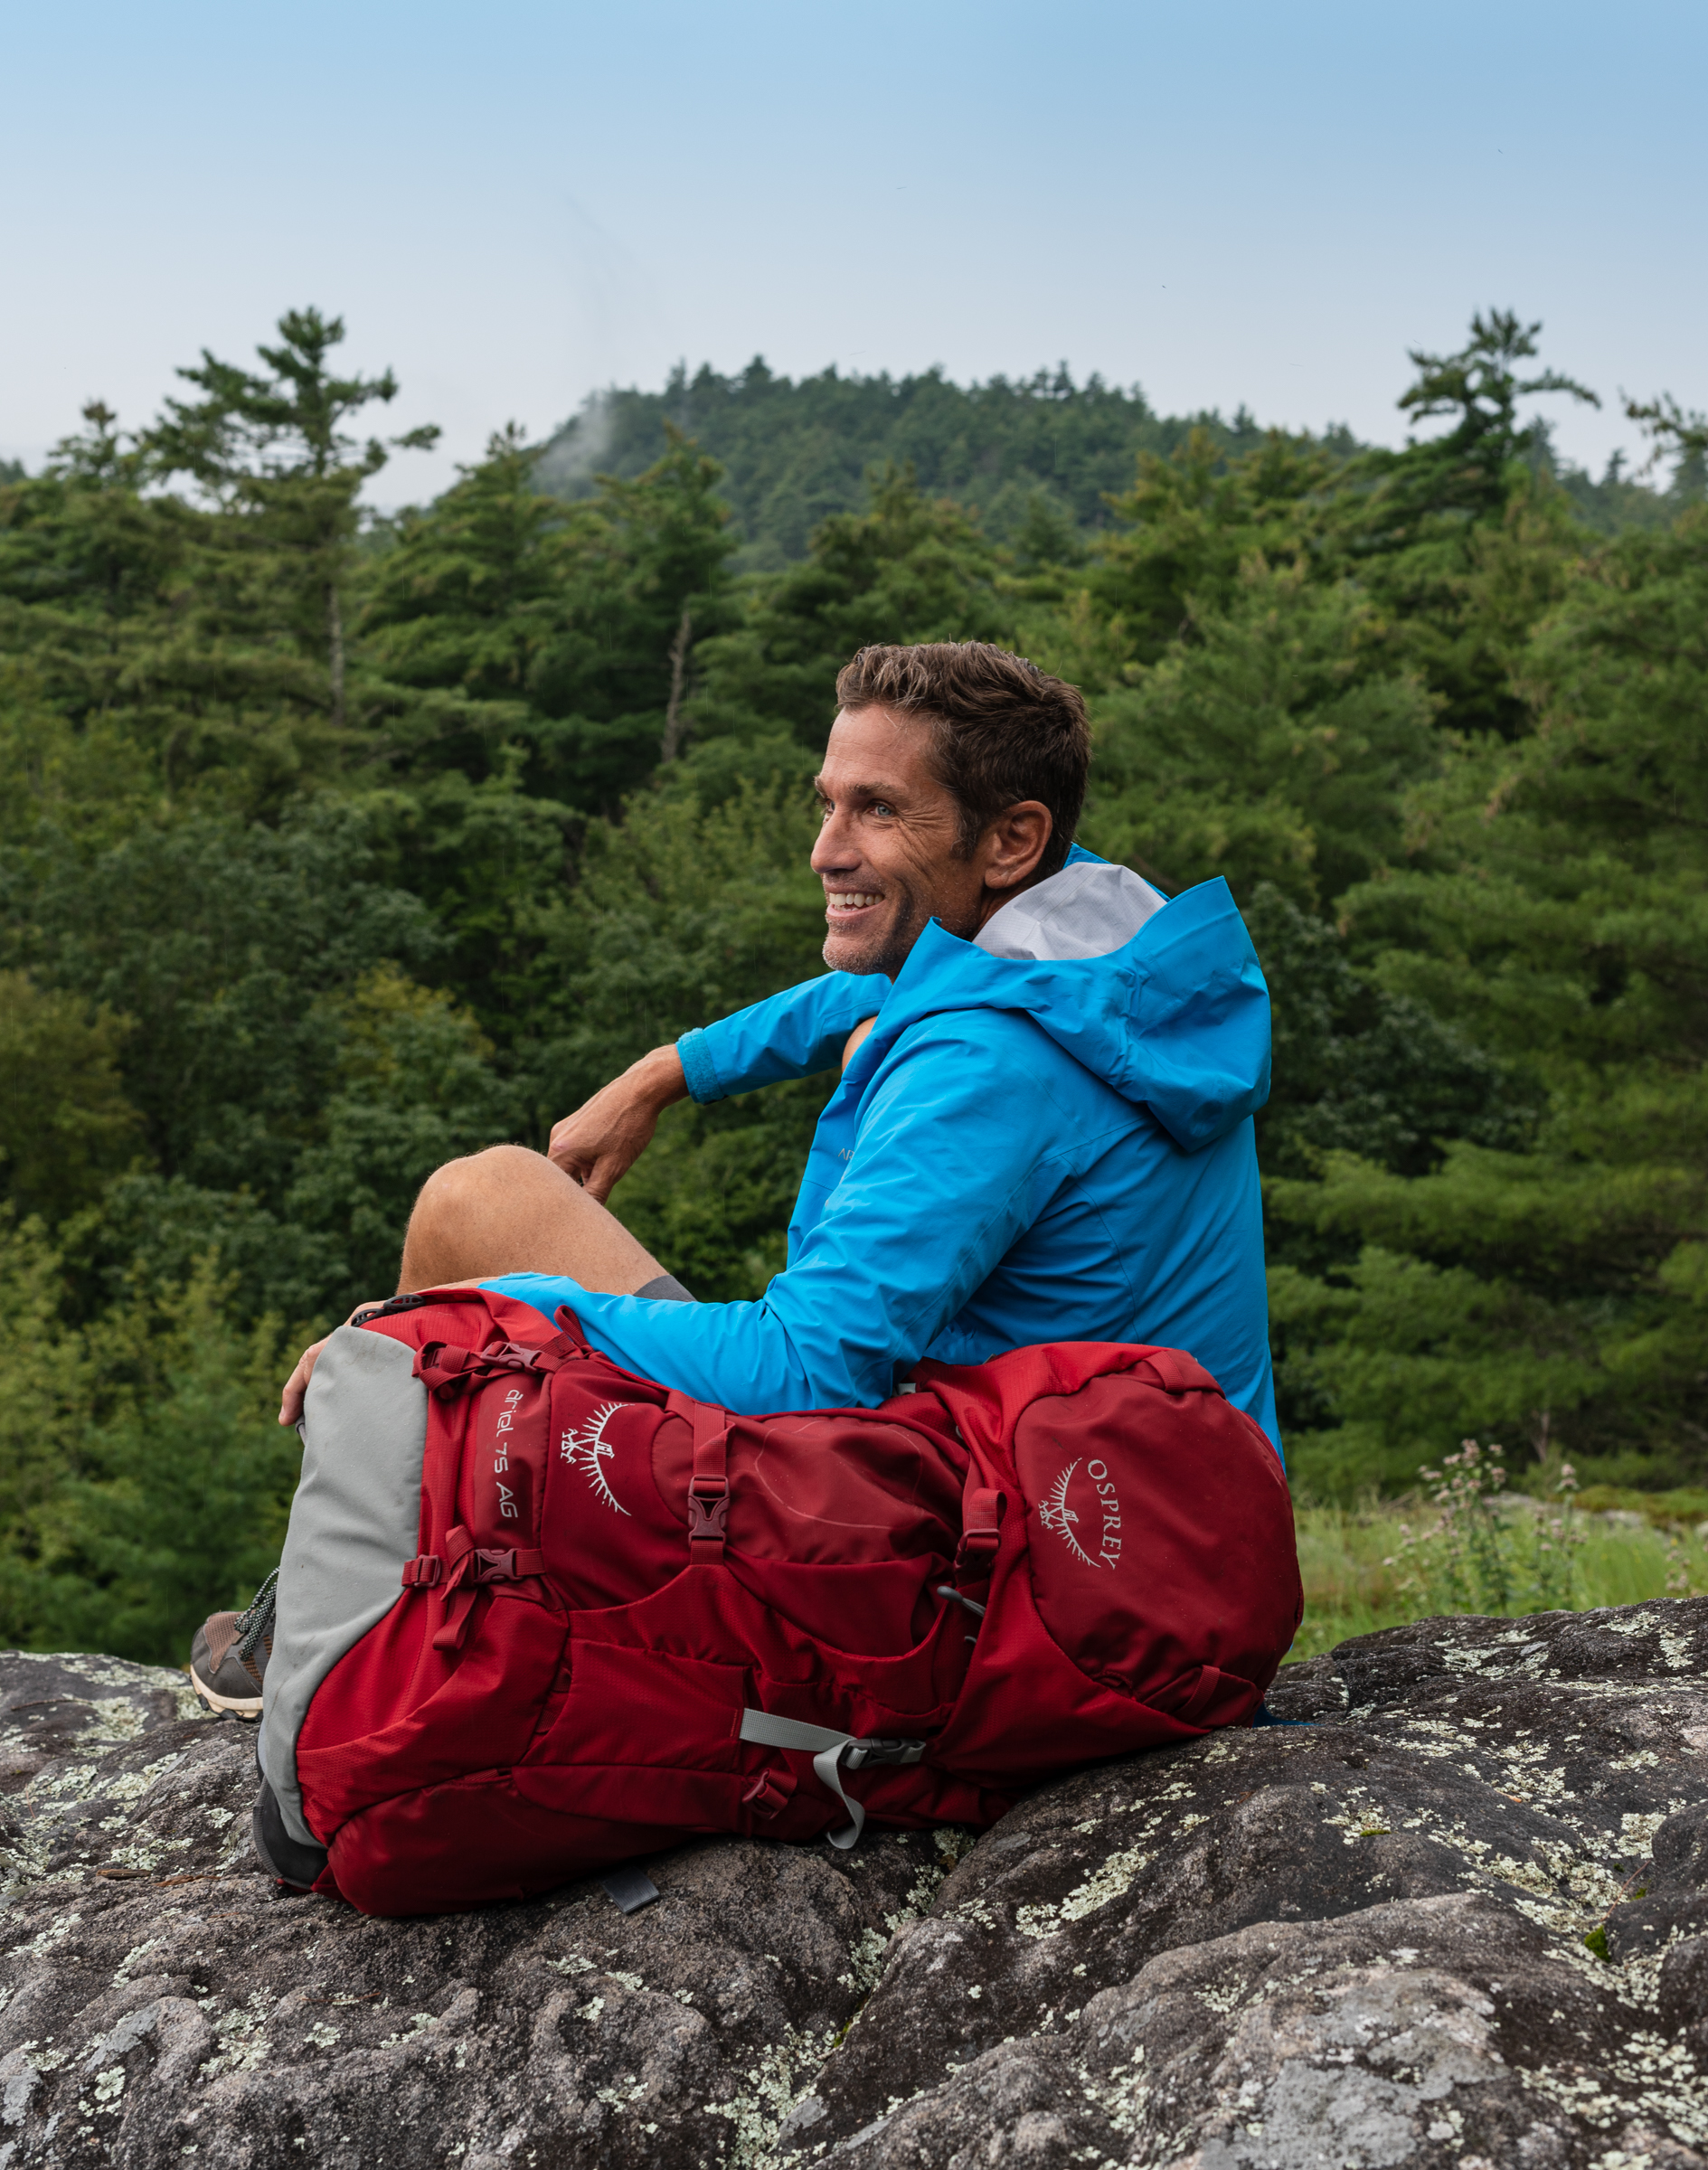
829, 1750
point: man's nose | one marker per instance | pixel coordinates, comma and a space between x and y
832, 848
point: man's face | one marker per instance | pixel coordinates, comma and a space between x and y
886, 852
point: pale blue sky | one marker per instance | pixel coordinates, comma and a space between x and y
513, 204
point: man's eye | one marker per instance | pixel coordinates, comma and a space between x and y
880, 806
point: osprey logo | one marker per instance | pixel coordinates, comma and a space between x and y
1100, 1522
585, 1448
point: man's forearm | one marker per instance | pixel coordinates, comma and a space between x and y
658, 1077
601, 1141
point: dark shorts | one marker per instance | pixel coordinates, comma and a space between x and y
665, 1287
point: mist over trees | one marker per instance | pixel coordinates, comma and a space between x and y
332, 845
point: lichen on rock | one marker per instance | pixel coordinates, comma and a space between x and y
1356, 1941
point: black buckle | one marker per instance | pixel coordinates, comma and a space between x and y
860, 1752
392, 1304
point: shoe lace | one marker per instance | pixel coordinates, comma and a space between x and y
255, 1623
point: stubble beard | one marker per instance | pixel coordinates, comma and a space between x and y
888, 950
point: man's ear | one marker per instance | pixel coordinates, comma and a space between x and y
1011, 846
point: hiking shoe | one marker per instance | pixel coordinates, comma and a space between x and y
228, 1658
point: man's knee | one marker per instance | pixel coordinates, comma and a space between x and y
457, 1188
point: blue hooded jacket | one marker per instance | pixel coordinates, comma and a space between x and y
1045, 1136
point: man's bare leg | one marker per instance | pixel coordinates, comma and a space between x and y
511, 1211
504, 1210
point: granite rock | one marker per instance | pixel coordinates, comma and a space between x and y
1358, 1938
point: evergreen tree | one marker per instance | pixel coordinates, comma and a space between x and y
1464, 538
569, 635
461, 597
909, 570
1190, 522
66, 1128
616, 681
1467, 469
97, 582
1273, 744
271, 453
1561, 1293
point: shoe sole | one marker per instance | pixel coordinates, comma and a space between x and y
244, 1706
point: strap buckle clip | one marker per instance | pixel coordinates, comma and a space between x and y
831, 1752
860, 1752
708, 1510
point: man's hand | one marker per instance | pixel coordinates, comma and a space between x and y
291, 1406
603, 1139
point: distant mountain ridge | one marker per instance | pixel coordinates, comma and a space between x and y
1036, 457
1036, 453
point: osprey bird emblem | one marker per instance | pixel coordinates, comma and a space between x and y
1055, 1514
585, 1448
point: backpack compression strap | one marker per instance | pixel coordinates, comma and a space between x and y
470, 1564
709, 1486
447, 1370
829, 1751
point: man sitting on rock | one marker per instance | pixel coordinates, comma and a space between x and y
1043, 1127
1043, 1131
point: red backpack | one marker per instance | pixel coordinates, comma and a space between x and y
631, 1617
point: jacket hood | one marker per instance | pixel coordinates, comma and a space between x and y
1163, 999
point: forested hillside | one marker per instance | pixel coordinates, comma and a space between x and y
331, 847
1038, 460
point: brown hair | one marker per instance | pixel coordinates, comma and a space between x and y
1002, 730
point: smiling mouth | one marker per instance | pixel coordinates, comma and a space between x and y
849, 900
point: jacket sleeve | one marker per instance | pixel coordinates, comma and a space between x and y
945, 1176
793, 1034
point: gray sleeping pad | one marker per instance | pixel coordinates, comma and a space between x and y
353, 1525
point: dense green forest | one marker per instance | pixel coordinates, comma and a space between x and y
332, 845
1039, 460
1036, 460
